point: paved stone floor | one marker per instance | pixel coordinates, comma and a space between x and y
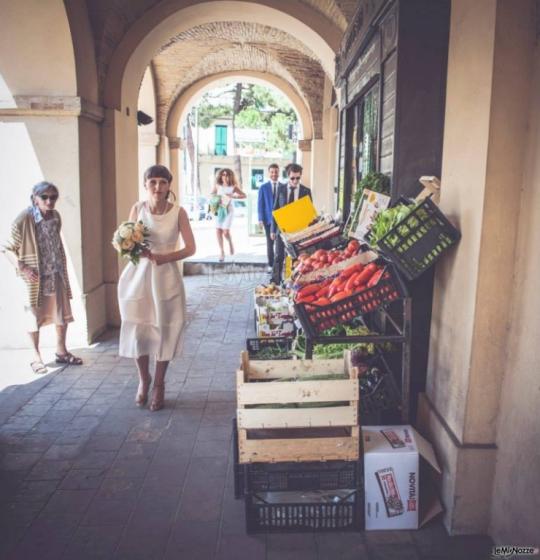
87, 475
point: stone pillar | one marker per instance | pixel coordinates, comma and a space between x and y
120, 191
163, 151
319, 174
148, 142
56, 138
304, 147
175, 165
489, 68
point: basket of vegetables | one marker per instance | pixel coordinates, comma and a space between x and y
380, 398
323, 264
413, 235
322, 235
357, 290
278, 348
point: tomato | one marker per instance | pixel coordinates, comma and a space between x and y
353, 246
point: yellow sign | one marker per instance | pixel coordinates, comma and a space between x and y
296, 215
288, 267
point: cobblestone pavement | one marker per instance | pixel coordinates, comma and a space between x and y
86, 474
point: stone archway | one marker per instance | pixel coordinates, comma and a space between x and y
133, 54
189, 96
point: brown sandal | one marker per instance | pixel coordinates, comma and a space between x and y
69, 359
141, 398
158, 397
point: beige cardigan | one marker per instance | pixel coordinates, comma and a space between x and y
23, 243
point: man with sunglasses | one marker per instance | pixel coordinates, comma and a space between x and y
286, 194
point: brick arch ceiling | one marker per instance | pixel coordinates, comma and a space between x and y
235, 46
111, 19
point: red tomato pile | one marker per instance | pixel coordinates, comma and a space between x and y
323, 259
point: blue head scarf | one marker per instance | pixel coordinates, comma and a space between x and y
38, 189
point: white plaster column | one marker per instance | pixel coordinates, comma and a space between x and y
175, 148
56, 138
148, 142
304, 147
319, 174
487, 102
163, 151
120, 191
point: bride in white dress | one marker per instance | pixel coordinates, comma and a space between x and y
227, 188
151, 294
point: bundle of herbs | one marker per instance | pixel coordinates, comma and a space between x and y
335, 350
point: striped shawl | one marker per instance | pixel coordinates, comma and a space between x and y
23, 243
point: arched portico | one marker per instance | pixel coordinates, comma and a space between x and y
146, 37
143, 40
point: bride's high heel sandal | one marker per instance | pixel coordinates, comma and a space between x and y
158, 397
141, 398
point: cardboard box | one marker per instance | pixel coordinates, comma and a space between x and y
394, 496
286, 328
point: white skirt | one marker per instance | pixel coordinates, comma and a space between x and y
153, 309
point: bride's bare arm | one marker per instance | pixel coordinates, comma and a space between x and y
134, 212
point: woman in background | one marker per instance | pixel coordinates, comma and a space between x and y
226, 188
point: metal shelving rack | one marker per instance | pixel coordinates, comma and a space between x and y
396, 331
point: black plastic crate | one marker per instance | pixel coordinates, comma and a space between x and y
294, 249
278, 348
417, 241
316, 319
280, 477
343, 512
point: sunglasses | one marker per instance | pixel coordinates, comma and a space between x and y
295, 178
51, 197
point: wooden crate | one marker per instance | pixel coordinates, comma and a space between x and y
317, 433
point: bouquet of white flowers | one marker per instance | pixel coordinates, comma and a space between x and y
218, 206
130, 240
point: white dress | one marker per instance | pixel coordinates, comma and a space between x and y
151, 298
226, 223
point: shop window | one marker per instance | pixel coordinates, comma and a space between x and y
359, 142
220, 140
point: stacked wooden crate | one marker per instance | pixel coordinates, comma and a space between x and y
299, 413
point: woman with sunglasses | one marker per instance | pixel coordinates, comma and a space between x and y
36, 250
227, 188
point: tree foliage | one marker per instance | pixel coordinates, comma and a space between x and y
259, 108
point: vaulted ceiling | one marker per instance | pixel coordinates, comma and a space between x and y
219, 47
235, 46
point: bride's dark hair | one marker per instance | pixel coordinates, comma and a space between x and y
158, 172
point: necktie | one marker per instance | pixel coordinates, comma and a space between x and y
274, 192
291, 195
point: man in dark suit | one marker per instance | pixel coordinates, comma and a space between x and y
286, 194
265, 204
